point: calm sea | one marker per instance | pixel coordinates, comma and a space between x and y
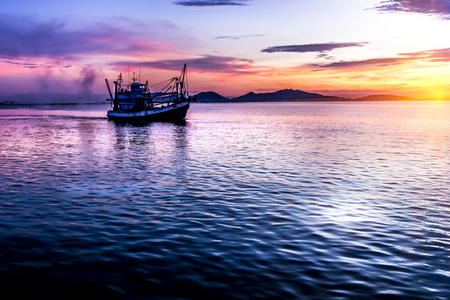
271, 200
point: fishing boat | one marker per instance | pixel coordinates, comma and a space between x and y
134, 101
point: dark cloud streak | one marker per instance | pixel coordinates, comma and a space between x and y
430, 7
325, 56
208, 63
324, 47
23, 64
212, 2
238, 37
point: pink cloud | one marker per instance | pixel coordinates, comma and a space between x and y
26, 37
435, 55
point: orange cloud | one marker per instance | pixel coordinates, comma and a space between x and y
436, 55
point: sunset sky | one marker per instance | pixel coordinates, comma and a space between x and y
345, 48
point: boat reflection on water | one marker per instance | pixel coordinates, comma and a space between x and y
152, 146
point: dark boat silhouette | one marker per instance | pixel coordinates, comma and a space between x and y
135, 101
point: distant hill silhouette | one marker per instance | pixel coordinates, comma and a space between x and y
281, 95
207, 97
292, 95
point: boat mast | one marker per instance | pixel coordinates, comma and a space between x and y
117, 88
120, 82
182, 80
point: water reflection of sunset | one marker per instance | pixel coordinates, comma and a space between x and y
252, 192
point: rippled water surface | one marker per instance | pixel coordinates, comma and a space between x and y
292, 200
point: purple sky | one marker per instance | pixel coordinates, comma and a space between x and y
347, 48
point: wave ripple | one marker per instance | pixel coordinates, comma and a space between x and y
267, 200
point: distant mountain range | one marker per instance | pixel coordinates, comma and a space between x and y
282, 95
288, 95
204, 97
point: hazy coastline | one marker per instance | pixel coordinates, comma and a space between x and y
287, 95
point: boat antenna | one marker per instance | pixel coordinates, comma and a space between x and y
128, 71
182, 80
139, 73
187, 81
120, 81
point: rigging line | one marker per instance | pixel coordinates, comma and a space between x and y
161, 83
164, 90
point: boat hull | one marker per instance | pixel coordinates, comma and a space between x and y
175, 112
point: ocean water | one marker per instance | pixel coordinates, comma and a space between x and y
271, 200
